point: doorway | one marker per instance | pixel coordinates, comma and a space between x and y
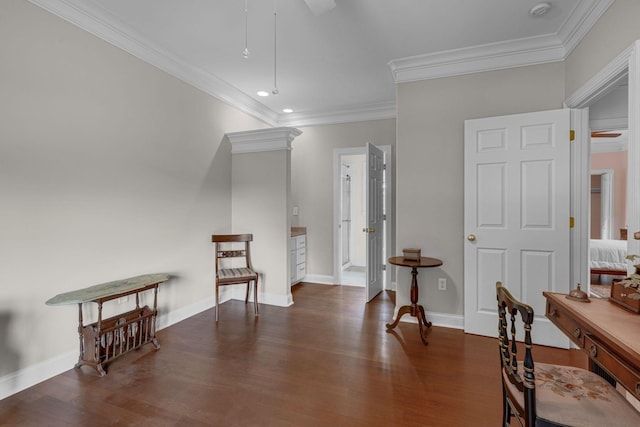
350, 215
353, 218
622, 74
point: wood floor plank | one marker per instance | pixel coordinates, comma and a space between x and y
325, 361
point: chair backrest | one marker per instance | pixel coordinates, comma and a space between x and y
228, 252
523, 376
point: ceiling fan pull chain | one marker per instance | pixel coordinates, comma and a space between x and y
275, 90
245, 52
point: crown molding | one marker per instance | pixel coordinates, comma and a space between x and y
254, 141
95, 21
502, 55
580, 21
356, 113
488, 57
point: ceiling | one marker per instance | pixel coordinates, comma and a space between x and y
337, 66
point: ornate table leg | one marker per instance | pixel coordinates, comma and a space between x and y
154, 340
422, 319
401, 312
80, 336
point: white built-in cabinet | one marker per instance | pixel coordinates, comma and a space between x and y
298, 258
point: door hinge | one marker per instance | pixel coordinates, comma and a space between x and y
384, 166
384, 267
384, 217
572, 135
572, 221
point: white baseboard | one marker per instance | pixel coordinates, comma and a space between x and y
34, 374
320, 279
167, 319
443, 320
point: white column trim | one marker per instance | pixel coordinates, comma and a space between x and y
254, 141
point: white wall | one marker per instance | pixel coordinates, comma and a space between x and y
109, 168
430, 161
260, 205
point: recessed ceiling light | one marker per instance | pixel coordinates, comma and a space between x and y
263, 93
287, 110
540, 9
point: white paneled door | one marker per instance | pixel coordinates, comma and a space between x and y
517, 206
375, 220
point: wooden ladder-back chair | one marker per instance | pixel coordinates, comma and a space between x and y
239, 270
543, 394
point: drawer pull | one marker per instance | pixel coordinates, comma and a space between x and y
577, 332
638, 389
593, 351
623, 295
553, 313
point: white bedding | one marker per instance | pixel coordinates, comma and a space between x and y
608, 254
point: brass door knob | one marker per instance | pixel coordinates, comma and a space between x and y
471, 237
369, 230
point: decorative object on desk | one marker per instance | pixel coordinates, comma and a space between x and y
626, 292
578, 294
636, 235
411, 254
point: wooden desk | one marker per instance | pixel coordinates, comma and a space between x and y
106, 339
414, 309
608, 333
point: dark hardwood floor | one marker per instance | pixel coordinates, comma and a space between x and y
325, 361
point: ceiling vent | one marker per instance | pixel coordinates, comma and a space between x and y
540, 9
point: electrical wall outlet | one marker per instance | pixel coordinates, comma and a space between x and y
442, 284
123, 299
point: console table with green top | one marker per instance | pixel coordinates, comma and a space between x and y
106, 339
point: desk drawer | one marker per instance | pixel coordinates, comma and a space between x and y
568, 325
611, 363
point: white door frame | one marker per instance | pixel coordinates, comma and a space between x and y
388, 196
625, 64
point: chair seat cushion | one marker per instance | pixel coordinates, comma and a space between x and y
572, 396
236, 274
